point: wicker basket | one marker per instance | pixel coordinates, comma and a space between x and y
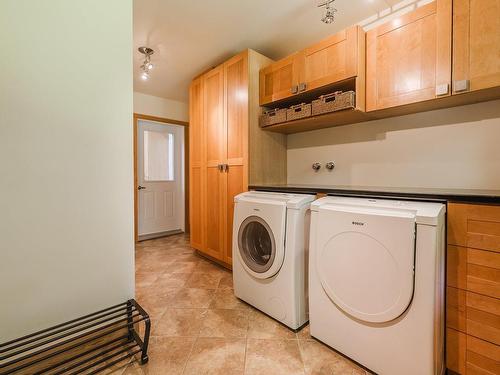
335, 101
274, 116
298, 111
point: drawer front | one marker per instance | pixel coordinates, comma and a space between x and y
474, 226
474, 314
482, 357
474, 270
483, 317
483, 272
456, 350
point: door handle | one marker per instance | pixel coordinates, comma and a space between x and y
141, 187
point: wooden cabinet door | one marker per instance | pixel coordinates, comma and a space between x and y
280, 80
236, 112
476, 44
214, 155
409, 58
333, 59
196, 164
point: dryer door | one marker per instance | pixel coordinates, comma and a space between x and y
260, 238
365, 260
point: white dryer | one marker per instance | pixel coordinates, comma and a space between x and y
376, 282
270, 240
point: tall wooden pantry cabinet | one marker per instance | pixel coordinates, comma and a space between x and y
228, 150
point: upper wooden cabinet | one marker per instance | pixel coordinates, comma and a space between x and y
334, 59
409, 58
476, 45
280, 80
337, 58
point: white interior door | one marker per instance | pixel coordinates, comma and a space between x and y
160, 169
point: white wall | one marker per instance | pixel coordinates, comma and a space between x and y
66, 190
449, 148
160, 107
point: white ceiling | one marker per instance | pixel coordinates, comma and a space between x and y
190, 36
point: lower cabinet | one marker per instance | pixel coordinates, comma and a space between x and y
473, 289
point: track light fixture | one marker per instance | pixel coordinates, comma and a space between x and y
329, 16
147, 65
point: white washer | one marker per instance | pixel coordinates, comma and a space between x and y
270, 240
376, 282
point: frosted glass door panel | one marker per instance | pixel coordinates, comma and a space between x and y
158, 156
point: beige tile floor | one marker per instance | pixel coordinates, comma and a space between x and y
199, 327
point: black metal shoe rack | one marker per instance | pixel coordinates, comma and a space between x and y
88, 345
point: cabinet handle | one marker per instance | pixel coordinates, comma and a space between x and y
220, 167
294, 89
461, 86
226, 167
302, 86
442, 89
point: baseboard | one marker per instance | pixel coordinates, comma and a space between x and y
151, 236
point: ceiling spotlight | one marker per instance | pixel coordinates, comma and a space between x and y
147, 65
329, 16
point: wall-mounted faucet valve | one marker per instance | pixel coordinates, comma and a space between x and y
316, 166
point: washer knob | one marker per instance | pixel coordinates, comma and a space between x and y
330, 165
316, 166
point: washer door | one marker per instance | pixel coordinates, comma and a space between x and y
365, 260
257, 248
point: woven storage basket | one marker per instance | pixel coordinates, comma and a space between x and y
335, 101
298, 111
272, 117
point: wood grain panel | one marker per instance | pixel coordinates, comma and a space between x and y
482, 357
196, 123
476, 36
483, 280
456, 350
409, 56
196, 164
456, 272
332, 59
196, 208
214, 219
237, 122
236, 107
456, 309
277, 79
235, 186
483, 317
474, 225
483, 235
213, 104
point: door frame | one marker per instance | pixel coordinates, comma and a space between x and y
165, 121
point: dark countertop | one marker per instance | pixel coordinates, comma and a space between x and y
429, 194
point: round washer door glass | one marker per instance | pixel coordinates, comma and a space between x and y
256, 244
